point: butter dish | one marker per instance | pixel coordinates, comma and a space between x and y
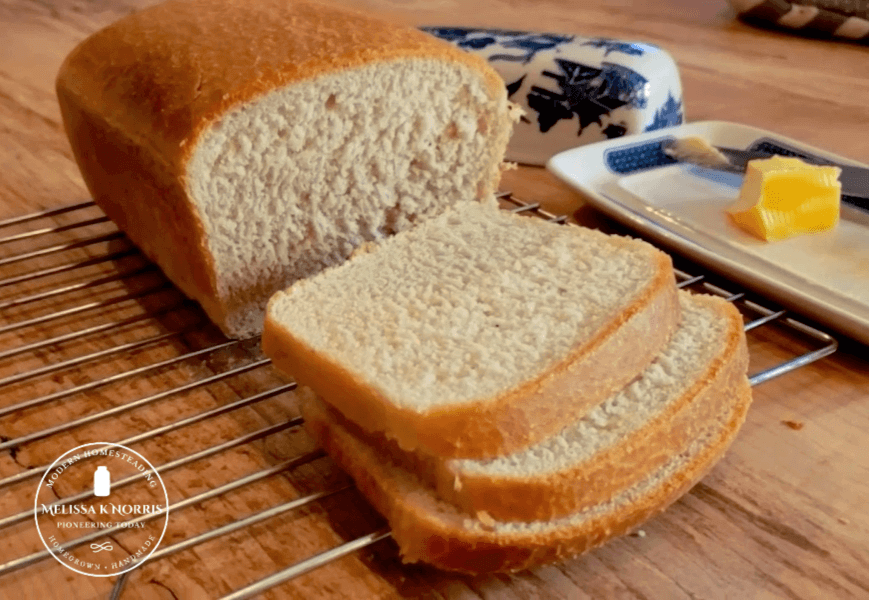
822, 275
575, 90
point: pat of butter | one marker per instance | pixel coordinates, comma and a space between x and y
783, 197
695, 149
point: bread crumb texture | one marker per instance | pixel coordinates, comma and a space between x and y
699, 338
467, 305
314, 170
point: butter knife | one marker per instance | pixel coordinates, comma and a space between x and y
854, 180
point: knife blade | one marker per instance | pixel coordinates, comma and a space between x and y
854, 180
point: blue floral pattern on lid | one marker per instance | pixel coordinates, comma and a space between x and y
527, 44
586, 92
616, 46
669, 115
575, 90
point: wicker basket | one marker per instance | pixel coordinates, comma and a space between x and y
842, 19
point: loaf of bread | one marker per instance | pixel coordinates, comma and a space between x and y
427, 528
635, 431
477, 333
245, 144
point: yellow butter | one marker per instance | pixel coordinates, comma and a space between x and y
783, 197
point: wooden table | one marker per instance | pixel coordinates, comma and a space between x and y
784, 515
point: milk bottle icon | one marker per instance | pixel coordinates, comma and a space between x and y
102, 482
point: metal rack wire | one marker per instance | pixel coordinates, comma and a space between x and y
86, 275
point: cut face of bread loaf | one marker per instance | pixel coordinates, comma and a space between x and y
246, 144
429, 529
477, 333
693, 379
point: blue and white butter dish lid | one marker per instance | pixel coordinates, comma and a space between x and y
575, 90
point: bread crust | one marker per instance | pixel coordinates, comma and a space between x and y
612, 470
470, 545
516, 418
136, 96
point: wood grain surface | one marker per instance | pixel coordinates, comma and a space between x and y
784, 515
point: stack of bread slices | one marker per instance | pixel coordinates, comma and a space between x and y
510, 392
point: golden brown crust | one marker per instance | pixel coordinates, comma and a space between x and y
162, 88
144, 196
447, 541
613, 469
136, 96
610, 471
518, 418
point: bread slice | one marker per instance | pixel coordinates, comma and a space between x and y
633, 432
244, 144
478, 333
429, 529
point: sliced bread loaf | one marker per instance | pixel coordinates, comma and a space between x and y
632, 433
477, 333
429, 529
244, 144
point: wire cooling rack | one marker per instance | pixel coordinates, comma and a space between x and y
83, 313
